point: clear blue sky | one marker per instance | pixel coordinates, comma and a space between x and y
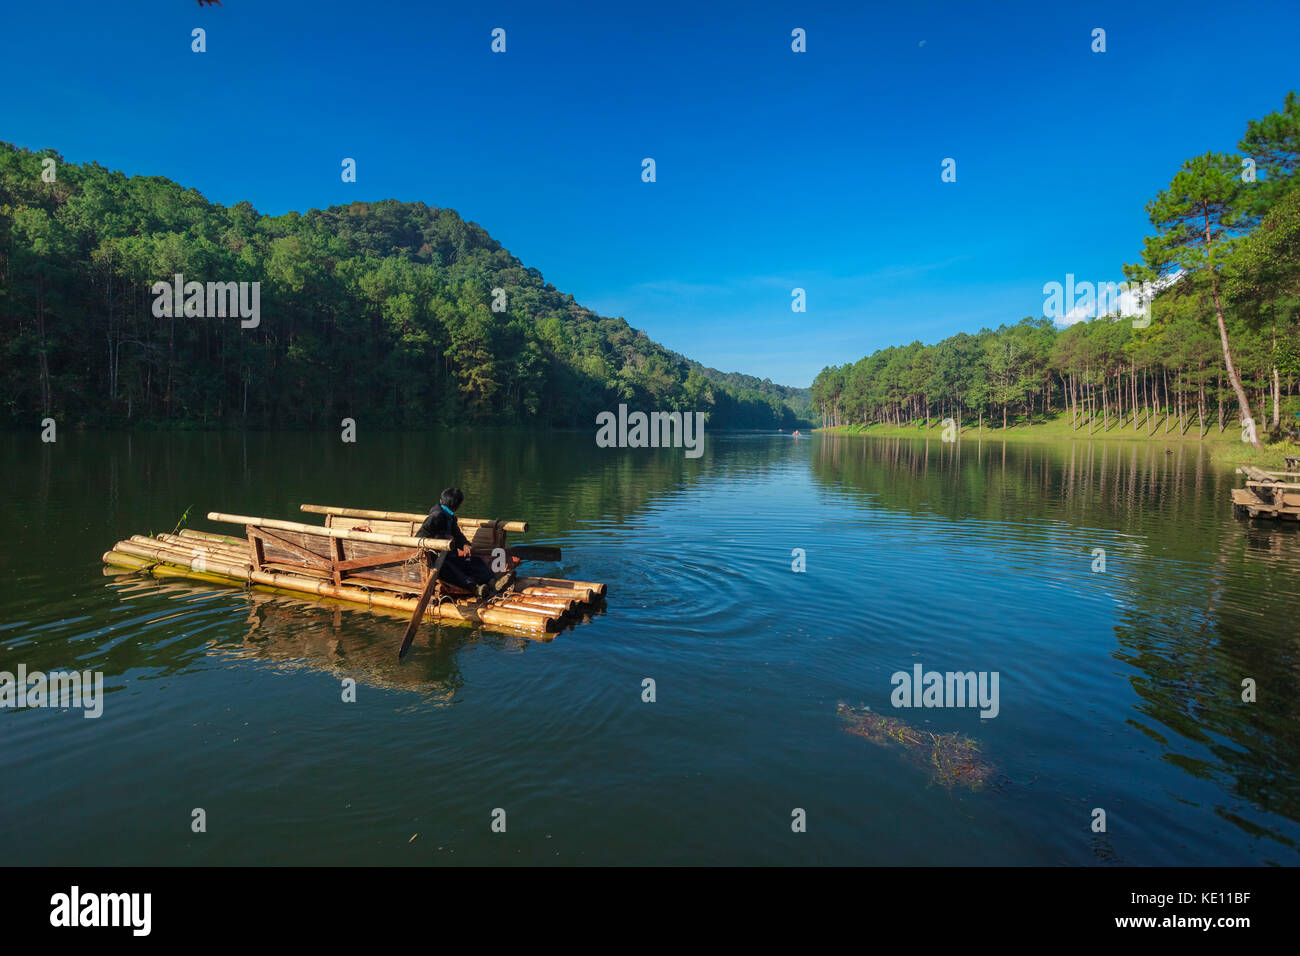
775, 169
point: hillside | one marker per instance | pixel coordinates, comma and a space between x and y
798, 399
378, 311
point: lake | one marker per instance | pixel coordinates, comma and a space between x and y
1119, 689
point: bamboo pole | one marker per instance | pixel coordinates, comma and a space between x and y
171, 571
580, 595
511, 604
215, 538
184, 560
528, 619
161, 551
594, 587
197, 544
222, 544
185, 547
119, 560
515, 526
188, 553
189, 550
174, 563
560, 605
400, 540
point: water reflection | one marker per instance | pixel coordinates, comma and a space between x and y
317, 635
1122, 688
296, 634
1203, 600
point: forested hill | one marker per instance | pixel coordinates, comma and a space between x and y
382, 312
799, 399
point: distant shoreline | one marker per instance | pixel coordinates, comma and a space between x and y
1225, 447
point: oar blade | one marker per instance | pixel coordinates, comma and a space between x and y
535, 552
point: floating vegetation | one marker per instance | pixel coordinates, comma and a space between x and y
953, 759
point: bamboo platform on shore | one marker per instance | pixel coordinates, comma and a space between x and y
367, 558
1268, 494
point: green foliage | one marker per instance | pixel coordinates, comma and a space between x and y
377, 310
1031, 370
1197, 218
1274, 144
1264, 280
1228, 252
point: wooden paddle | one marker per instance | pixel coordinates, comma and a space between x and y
420, 605
534, 552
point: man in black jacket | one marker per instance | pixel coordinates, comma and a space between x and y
461, 568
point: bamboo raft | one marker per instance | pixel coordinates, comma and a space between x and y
1268, 494
367, 558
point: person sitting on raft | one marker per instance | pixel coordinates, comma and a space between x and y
461, 568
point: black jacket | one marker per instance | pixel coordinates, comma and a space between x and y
439, 524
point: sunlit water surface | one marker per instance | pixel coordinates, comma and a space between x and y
1119, 689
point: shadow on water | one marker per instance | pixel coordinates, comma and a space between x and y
320, 635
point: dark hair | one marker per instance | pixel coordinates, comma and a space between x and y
451, 498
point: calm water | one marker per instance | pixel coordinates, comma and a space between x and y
1118, 689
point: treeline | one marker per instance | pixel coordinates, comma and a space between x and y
1220, 344
377, 311
799, 399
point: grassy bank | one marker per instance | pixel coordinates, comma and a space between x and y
1226, 447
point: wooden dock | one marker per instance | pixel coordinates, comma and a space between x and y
1268, 494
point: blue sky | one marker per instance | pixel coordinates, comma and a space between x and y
818, 170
